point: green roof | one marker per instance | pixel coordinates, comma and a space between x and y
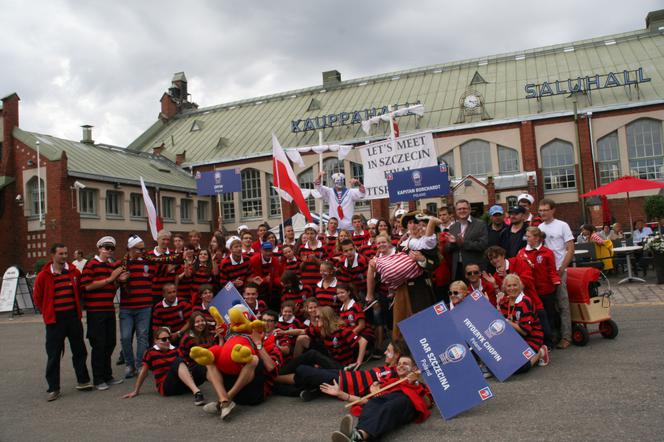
243, 129
110, 163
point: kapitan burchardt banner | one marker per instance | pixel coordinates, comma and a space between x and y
411, 152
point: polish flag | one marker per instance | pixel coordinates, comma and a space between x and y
285, 182
153, 220
396, 128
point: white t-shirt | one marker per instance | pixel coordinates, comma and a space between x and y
557, 234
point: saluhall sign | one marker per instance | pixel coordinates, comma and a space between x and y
582, 84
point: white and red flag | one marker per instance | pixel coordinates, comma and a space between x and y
285, 182
153, 220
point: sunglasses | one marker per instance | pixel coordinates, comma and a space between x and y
109, 248
475, 272
455, 293
163, 339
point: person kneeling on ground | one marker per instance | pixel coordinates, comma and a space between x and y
405, 402
172, 376
518, 310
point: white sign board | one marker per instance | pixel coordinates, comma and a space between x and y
8, 291
411, 152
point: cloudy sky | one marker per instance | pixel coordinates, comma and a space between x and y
107, 63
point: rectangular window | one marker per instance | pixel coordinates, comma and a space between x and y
608, 158
186, 206
273, 197
508, 160
168, 208
114, 202
306, 181
252, 206
87, 201
136, 206
228, 207
203, 211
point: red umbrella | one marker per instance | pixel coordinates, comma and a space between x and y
625, 184
606, 211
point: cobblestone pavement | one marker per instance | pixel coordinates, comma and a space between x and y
636, 293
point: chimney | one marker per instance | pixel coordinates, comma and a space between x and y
178, 89
180, 158
156, 151
87, 134
331, 78
655, 21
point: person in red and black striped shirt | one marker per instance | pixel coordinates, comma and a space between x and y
294, 291
352, 314
171, 374
326, 289
359, 234
56, 295
203, 273
331, 236
171, 312
248, 245
99, 279
520, 314
289, 261
288, 327
250, 295
135, 305
205, 295
235, 267
184, 274
162, 272
353, 268
343, 346
311, 253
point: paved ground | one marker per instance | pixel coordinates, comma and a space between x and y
608, 390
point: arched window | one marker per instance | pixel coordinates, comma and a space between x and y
306, 181
558, 165
644, 149
508, 160
448, 158
34, 197
475, 158
251, 194
273, 199
608, 158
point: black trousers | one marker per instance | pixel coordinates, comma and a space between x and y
101, 334
67, 326
253, 393
310, 378
386, 413
553, 319
310, 358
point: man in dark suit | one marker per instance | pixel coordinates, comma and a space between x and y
468, 238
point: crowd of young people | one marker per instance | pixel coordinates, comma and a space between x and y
331, 299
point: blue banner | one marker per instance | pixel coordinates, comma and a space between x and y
226, 298
411, 185
490, 336
446, 363
218, 181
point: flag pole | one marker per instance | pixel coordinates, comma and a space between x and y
219, 219
319, 204
281, 209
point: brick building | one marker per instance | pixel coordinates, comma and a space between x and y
87, 190
556, 121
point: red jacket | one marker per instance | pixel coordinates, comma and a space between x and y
44, 292
274, 269
543, 263
520, 267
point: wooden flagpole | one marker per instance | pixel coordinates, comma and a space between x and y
370, 395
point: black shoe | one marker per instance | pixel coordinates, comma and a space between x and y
120, 360
309, 395
199, 399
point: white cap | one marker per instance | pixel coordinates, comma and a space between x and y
133, 241
311, 226
230, 241
242, 227
399, 212
525, 196
372, 222
106, 240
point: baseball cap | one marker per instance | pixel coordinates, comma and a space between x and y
517, 209
496, 209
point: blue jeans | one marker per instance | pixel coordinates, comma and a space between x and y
134, 320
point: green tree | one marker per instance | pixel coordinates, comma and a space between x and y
655, 207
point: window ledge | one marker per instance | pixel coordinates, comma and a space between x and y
89, 216
553, 192
252, 218
186, 221
169, 220
138, 218
115, 217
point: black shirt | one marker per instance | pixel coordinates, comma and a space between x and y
513, 242
494, 235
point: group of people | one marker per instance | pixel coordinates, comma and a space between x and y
330, 300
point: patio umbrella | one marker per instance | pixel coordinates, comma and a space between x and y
625, 184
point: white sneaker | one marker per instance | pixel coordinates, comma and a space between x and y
101, 387
226, 409
544, 356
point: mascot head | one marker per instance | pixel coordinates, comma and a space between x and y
339, 180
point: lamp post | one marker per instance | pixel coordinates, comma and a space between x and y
39, 195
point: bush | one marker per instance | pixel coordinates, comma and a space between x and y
654, 207
41, 262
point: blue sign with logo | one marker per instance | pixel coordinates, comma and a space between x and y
218, 181
411, 185
490, 336
226, 298
447, 365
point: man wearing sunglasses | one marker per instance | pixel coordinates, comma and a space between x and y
100, 276
477, 283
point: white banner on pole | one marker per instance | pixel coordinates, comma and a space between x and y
411, 152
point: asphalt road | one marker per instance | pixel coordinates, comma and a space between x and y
609, 390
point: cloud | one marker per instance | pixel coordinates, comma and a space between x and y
107, 63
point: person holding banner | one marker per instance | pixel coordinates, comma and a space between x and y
401, 401
340, 198
517, 308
